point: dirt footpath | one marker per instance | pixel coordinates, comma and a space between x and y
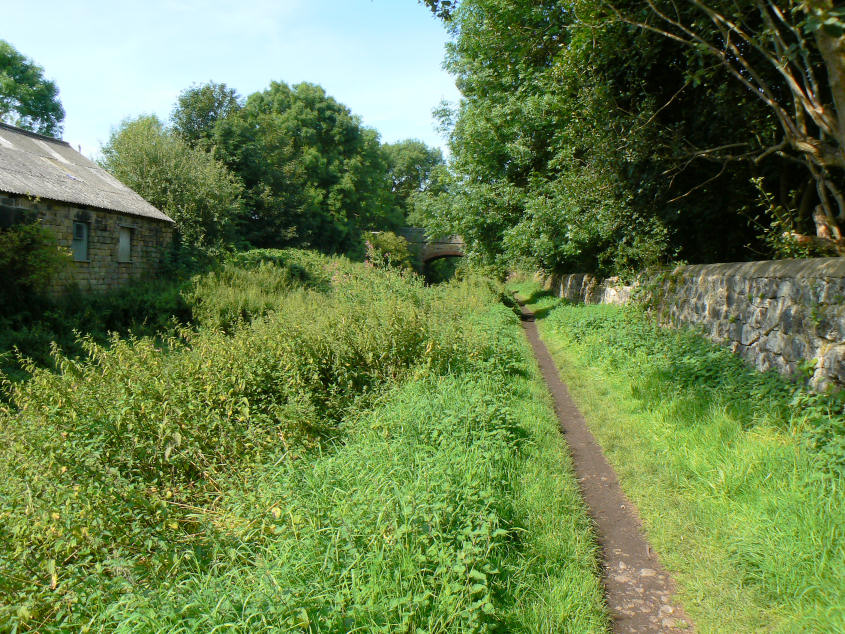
637, 588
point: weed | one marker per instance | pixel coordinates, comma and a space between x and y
327, 447
738, 475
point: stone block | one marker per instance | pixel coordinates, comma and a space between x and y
714, 311
756, 317
825, 325
795, 348
776, 314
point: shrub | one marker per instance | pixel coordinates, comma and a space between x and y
30, 258
232, 295
386, 249
116, 452
139, 308
190, 185
344, 455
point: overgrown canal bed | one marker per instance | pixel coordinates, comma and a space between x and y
329, 448
332, 447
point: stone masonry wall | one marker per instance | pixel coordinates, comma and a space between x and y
425, 250
778, 315
102, 271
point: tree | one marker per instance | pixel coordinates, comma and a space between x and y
412, 170
589, 138
387, 250
27, 99
199, 108
533, 177
188, 184
781, 53
313, 175
441, 8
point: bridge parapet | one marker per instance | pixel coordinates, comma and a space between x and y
427, 249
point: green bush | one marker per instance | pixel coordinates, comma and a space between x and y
139, 308
114, 449
426, 529
30, 258
386, 249
230, 291
197, 191
232, 295
332, 446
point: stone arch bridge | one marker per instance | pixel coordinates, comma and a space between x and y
427, 250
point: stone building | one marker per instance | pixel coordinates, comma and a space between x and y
112, 234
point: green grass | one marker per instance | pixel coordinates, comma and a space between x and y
539, 301
737, 475
328, 448
408, 526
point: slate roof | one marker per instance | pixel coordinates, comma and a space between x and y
36, 165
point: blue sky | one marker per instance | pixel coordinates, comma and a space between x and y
113, 60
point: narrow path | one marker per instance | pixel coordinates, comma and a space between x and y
637, 588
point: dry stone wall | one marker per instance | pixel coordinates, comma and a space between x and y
785, 315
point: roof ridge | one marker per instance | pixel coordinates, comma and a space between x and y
35, 135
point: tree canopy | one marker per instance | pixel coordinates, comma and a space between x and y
412, 169
781, 54
27, 99
605, 136
188, 184
313, 175
441, 8
198, 110
288, 166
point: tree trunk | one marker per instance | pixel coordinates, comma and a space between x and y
832, 49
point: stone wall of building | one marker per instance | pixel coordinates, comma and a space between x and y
781, 315
102, 270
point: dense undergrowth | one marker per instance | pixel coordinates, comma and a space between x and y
238, 286
326, 447
141, 309
738, 475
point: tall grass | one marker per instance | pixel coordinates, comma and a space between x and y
329, 447
240, 287
738, 475
140, 309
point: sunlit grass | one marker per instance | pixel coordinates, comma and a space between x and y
737, 497
328, 448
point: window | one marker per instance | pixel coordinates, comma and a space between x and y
124, 245
79, 245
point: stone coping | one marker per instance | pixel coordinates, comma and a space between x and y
803, 268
